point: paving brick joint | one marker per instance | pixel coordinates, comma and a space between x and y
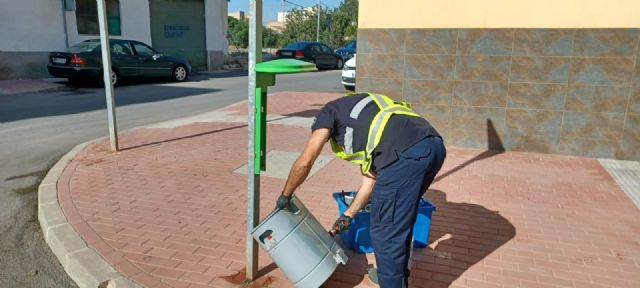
169, 211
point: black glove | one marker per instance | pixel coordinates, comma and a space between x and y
283, 202
342, 224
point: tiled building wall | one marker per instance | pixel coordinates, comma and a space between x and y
564, 91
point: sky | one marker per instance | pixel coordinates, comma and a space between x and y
272, 7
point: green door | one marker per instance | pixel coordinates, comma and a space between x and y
178, 29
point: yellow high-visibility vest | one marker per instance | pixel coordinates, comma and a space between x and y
388, 107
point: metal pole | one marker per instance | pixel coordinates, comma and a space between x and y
318, 25
64, 20
253, 179
106, 75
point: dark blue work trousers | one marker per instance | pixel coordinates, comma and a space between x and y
394, 205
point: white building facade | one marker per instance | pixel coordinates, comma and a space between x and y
192, 29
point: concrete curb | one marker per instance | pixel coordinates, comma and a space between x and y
83, 264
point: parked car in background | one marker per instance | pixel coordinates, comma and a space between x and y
348, 51
129, 58
349, 74
314, 52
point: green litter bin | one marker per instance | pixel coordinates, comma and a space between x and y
266, 76
284, 66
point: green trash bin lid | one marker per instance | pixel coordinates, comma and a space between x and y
281, 66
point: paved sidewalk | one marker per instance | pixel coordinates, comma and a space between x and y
169, 211
9, 87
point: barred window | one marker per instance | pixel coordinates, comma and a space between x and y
87, 17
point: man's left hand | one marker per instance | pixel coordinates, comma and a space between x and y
342, 224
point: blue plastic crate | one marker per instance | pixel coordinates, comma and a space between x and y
358, 237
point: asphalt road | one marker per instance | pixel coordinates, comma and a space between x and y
36, 129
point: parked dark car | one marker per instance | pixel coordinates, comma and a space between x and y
314, 52
348, 50
129, 58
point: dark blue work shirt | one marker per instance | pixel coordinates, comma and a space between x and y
401, 132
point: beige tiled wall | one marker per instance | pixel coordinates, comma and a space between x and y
567, 91
409, 14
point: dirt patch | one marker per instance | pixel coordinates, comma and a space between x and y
240, 277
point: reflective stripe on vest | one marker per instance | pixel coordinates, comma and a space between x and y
355, 112
387, 107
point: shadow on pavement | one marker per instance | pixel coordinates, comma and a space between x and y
226, 74
77, 100
135, 81
194, 77
305, 113
210, 132
495, 147
481, 156
462, 234
182, 138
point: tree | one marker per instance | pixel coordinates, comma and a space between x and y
269, 38
300, 26
337, 26
238, 32
345, 22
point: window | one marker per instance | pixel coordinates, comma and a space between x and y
296, 46
85, 46
87, 17
121, 48
142, 49
315, 49
326, 50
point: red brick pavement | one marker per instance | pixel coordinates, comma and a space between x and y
168, 211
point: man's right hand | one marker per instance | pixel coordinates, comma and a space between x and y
283, 202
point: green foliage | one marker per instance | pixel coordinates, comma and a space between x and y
300, 26
269, 38
238, 32
345, 21
337, 27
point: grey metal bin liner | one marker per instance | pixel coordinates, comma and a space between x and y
299, 245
